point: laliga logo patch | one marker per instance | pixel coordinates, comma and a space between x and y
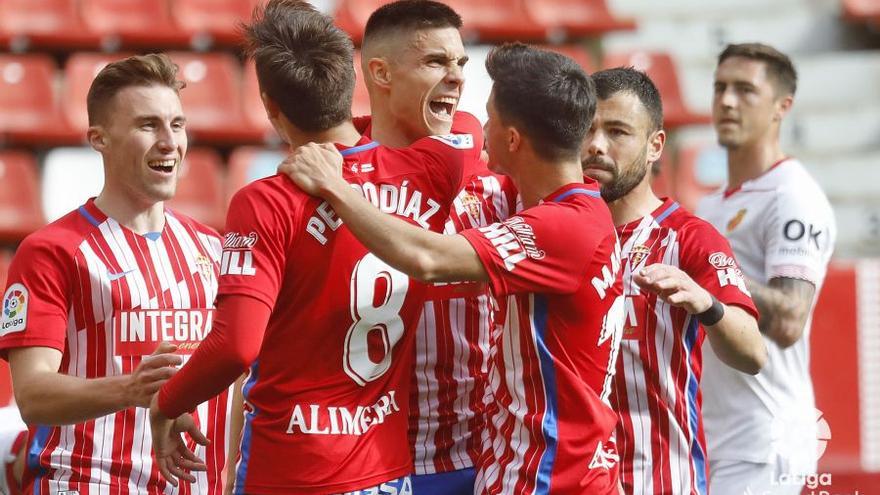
457, 141
14, 317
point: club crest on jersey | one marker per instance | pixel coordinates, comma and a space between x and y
638, 254
457, 141
735, 221
472, 205
728, 271
14, 316
206, 267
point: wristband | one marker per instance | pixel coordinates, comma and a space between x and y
712, 315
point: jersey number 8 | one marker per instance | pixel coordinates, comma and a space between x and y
377, 295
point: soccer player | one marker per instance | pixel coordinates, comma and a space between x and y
91, 296
554, 269
681, 283
413, 57
321, 322
761, 429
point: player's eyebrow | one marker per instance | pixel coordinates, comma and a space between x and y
618, 123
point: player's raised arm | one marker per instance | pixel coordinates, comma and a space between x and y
424, 255
733, 333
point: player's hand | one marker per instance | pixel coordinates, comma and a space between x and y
314, 167
674, 287
174, 459
150, 374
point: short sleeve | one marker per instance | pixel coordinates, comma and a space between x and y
708, 259
36, 301
448, 160
535, 251
799, 237
259, 229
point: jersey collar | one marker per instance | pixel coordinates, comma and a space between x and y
589, 188
730, 192
363, 144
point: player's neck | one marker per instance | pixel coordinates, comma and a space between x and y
344, 133
536, 179
636, 204
135, 213
750, 161
386, 131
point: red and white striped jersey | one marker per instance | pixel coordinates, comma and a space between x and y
105, 297
452, 342
554, 271
656, 390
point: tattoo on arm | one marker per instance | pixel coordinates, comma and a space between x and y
784, 305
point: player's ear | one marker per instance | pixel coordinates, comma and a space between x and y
783, 106
514, 139
97, 138
655, 145
377, 72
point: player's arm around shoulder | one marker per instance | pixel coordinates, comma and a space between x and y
421, 254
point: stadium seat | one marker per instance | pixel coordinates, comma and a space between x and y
143, 23
29, 110
497, 20
70, 177
352, 15
861, 11
661, 69
26, 24
20, 212
200, 193
79, 72
249, 163
210, 22
564, 19
5, 260
212, 97
575, 52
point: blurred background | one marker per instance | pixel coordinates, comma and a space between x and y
51, 49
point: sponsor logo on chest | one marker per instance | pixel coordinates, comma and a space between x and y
138, 332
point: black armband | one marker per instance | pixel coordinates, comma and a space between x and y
712, 315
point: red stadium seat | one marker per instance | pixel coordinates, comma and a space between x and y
575, 52
200, 192
250, 163
79, 73
5, 260
29, 110
699, 170
661, 69
20, 210
211, 21
45, 24
573, 18
497, 20
144, 23
352, 15
212, 97
862, 11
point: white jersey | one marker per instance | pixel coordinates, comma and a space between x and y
779, 224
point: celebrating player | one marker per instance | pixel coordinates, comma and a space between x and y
320, 321
681, 282
782, 230
554, 268
91, 295
412, 58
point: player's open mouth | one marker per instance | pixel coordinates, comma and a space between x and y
443, 108
164, 166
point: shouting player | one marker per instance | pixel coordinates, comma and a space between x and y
681, 283
554, 269
413, 59
761, 429
321, 322
91, 295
